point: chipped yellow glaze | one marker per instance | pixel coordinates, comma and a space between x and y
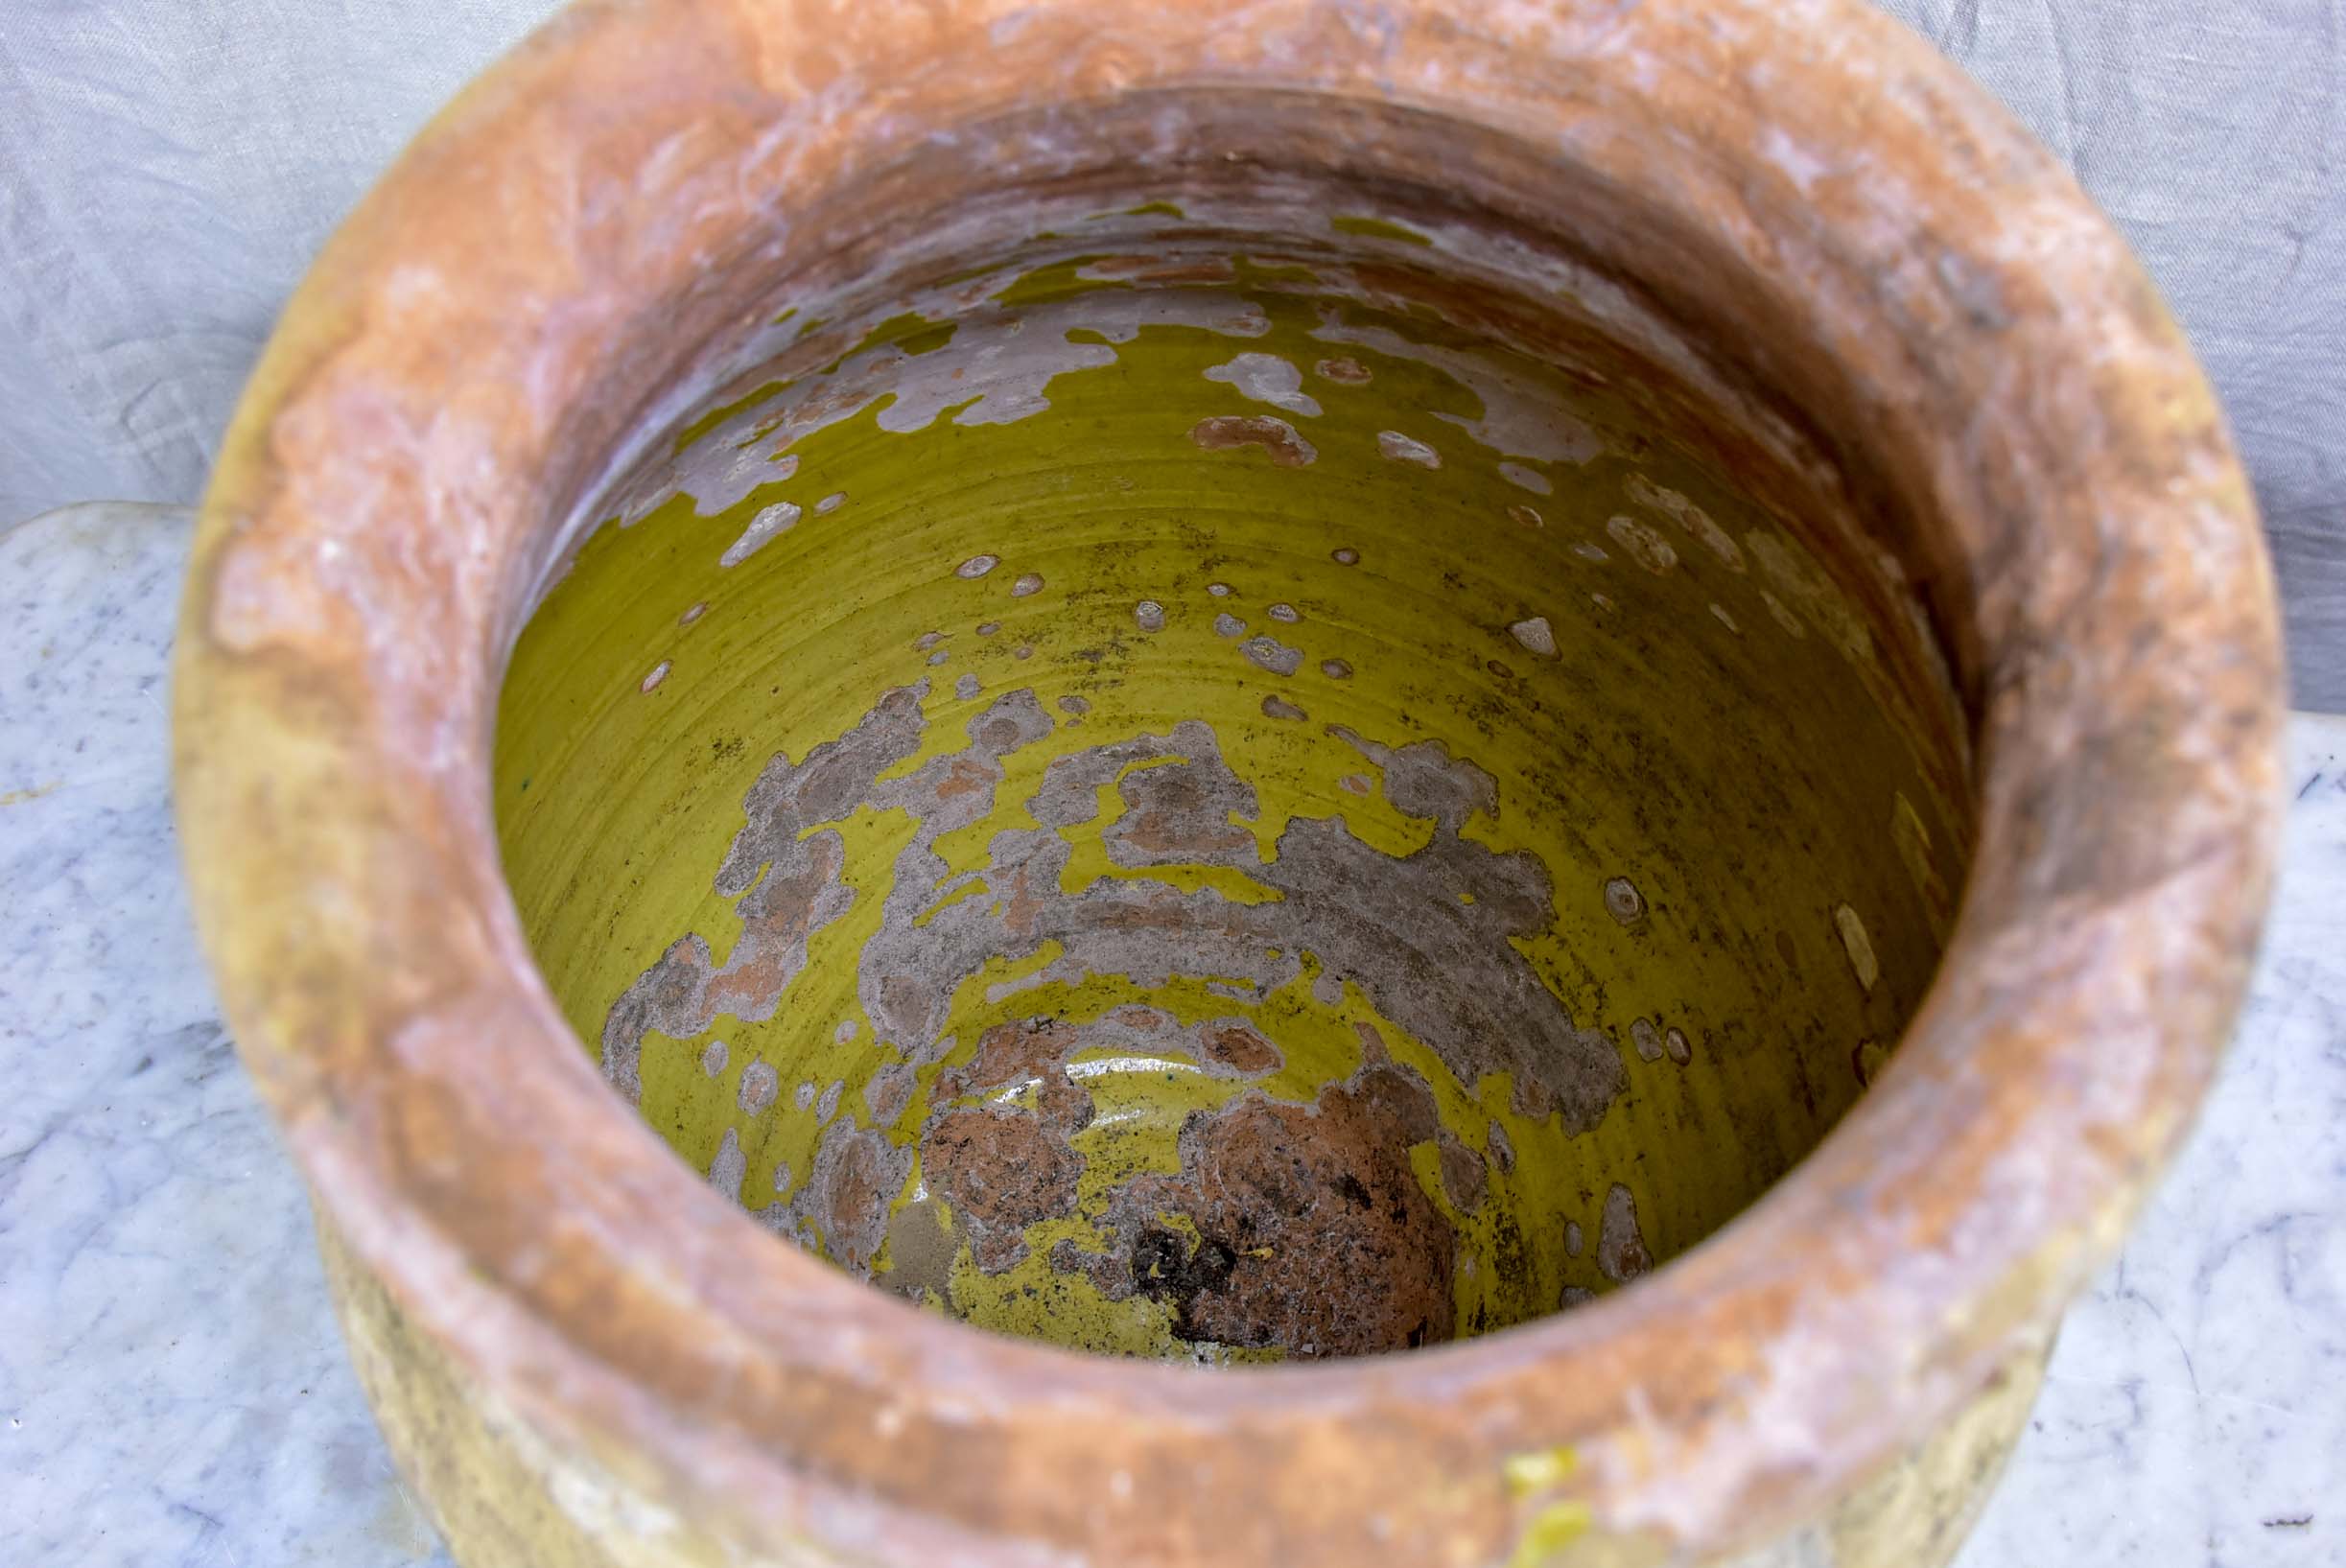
1743, 787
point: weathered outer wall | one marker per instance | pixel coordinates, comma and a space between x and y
505, 1497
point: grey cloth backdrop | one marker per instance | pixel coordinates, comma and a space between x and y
166, 168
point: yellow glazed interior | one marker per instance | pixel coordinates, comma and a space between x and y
1223, 792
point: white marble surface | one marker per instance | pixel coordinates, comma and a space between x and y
175, 1395
173, 1389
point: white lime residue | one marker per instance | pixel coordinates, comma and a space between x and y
1266, 378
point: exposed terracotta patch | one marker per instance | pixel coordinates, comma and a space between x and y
1688, 516
1306, 1229
1407, 449
921, 1251
1621, 1250
1463, 1176
1857, 945
1002, 1170
769, 523
857, 1173
1162, 270
759, 1088
1239, 1048
1010, 1053
1647, 547
1537, 636
1782, 615
1276, 436
1271, 654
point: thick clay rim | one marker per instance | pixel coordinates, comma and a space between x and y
345, 616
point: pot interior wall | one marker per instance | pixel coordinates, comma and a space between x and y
1229, 793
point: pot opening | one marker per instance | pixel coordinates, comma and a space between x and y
1233, 774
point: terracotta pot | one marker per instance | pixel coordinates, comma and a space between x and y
1223, 682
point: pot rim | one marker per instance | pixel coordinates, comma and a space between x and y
352, 593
